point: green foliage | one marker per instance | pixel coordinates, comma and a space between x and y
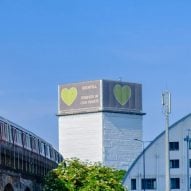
54, 183
75, 175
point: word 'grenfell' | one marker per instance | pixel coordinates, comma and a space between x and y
92, 86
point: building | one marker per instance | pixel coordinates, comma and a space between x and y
98, 120
25, 158
153, 159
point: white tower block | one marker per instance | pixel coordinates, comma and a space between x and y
99, 120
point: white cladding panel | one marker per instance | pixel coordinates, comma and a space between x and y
81, 136
155, 159
103, 136
119, 132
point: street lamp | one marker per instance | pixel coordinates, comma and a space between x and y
143, 145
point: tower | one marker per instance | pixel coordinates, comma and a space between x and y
99, 120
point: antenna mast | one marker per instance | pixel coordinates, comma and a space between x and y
166, 103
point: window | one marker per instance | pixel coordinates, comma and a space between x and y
148, 183
173, 146
1, 129
51, 152
133, 184
42, 151
34, 144
6, 132
175, 183
18, 137
47, 151
174, 163
190, 163
27, 141
56, 157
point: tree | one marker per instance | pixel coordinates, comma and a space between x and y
75, 175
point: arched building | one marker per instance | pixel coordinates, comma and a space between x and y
153, 159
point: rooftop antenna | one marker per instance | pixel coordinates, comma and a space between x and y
166, 103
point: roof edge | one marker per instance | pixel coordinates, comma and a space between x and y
154, 140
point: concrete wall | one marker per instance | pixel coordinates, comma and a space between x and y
102, 136
17, 182
119, 132
81, 136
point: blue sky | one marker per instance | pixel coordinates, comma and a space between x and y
46, 43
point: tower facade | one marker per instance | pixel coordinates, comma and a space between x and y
99, 120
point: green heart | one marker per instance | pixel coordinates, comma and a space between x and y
122, 93
68, 96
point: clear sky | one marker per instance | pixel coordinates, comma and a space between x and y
44, 43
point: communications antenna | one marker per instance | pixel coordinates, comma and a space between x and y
166, 103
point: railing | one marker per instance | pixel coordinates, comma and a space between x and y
17, 159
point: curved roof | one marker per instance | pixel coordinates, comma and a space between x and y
160, 135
